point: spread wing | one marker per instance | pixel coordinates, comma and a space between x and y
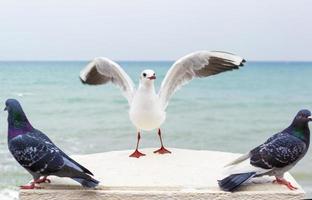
198, 64
279, 151
102, 71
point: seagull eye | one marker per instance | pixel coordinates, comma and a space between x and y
144, 74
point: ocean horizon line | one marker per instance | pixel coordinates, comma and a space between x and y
255, 61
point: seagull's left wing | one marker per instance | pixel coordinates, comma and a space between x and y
198, 64
103, 70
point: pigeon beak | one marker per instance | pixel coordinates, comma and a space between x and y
152, 77
5, 109
310, 118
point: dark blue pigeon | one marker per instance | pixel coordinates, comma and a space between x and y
38, 154
276, 156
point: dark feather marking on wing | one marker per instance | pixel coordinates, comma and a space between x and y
36, 155
96, 78
45, 138
278, 151
216, 65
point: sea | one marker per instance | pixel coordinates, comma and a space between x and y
232, 112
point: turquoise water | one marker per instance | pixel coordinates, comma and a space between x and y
234, 111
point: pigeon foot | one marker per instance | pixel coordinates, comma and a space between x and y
162, 150
43, 180
283, 181
30, 187
137, 154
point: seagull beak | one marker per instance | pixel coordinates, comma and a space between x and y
152, 77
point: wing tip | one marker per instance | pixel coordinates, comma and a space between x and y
82, 80
239, 60
242, 63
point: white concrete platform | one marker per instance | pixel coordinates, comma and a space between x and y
184, 174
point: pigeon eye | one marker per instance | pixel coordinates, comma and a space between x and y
154, 74
144, 74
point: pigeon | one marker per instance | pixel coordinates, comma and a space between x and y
276, 156
34, 151
148, 108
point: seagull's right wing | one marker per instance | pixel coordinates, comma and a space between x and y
196, 65
103, 70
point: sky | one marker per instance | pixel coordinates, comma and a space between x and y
278, 30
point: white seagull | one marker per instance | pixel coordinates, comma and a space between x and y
148, 108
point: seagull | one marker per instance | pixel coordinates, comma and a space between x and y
148, 108
276, 156
33, 150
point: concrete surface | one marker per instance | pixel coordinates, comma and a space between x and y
184, 174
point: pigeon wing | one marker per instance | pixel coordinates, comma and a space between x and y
198, 64
103, 70
279, 151
38, 134
36, 155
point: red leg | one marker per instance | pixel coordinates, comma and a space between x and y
162, 149
136, 153
30, 187
283, 181
43, 180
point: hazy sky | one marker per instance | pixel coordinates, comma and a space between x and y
154, 30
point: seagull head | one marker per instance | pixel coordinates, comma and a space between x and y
302, 118
147, 76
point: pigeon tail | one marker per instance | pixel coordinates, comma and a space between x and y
90, 183
77, 164
233, 181
239, 160
77, 174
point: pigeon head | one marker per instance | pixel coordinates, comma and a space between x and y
147, 76
302, 119
12, 105
17, 120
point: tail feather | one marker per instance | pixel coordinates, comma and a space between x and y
233, 181
75, 163
77, 174
239, 160
90, 183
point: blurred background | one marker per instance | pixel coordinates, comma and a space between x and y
45, 44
